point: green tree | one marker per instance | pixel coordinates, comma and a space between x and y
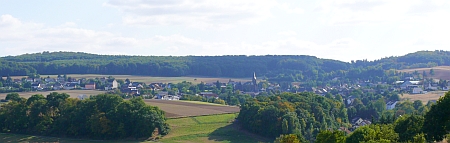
13, 97
326, 136
408, 127
290, 138
417, 104
436, 120
373, 133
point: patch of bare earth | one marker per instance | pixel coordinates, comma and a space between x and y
176, 109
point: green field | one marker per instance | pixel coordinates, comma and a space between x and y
214, 128
204, 129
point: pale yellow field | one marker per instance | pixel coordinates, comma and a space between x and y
441, 72
72, 93
434, 95
152, 79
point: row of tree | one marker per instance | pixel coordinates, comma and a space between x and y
103, 116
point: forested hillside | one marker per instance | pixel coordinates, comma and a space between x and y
305, 114
273, 67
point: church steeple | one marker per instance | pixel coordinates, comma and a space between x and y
255, 85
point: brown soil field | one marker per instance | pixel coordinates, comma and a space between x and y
72, 93
176, 109
441, 72
434, 95
151, 79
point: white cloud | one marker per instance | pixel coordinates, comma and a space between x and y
350, 12
193, 13
31, 37
287, 33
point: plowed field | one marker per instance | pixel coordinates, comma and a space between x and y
176, 109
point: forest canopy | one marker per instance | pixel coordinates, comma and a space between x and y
103, 116
274, 67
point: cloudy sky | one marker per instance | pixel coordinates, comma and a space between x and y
334, 29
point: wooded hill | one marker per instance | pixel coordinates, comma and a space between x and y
274, 67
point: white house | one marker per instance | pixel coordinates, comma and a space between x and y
82, 96
431, 87
417, 90
391, 105
445, 88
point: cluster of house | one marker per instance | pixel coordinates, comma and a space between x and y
61, 83
418, 87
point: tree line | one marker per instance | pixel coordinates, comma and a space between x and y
104, 116
275, 68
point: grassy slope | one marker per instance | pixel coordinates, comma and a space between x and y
214, 128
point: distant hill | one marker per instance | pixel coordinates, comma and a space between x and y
273, 67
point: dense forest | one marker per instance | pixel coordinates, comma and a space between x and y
103, 116
272, 67
306, 117
304, 114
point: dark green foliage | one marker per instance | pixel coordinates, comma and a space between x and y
288, 113
104, 116
327, 136
373, 133
408, 127
12, 96
436, 124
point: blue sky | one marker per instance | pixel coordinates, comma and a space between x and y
334, 29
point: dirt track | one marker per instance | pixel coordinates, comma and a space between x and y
176, 109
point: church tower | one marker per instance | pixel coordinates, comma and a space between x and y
255, 85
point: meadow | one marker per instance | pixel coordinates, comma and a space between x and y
205, 129
153, 79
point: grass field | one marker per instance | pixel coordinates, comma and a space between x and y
176, 109
72, 93
434, 95
151, 79
204, 129
441, 72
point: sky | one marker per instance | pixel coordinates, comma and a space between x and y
332, 29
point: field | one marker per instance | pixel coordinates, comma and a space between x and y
151, 79
72, 93
204, 129
176, 109
441, 72
434, 95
